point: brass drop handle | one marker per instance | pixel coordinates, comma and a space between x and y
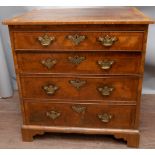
49, 63
105, 64
76, 60
105, 90
53, 114
78, 108
46, 40
105, 117
50, 89
107, 40
76, 39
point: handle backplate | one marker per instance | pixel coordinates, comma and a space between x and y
50, 89
107, 40
105, 90
105, 64
53, 114
105, 117
46, 40
49, 63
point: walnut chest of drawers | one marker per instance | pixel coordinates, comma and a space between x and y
80, 70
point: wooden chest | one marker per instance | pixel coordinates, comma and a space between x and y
80, 70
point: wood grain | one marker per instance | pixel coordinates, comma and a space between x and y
99, 15
130, 28
122, 116
124, 63
11, 125
33, 88
130, 41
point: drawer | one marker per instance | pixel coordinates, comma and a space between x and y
77, 40
80, 115
84, 63
80, 88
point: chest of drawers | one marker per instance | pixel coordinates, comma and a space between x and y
80, 70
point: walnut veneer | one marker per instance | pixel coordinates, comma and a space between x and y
80, 70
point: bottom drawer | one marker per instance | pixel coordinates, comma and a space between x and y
80, 115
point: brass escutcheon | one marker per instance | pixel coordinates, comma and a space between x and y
76, 59
77, 83
76, 39
79, 108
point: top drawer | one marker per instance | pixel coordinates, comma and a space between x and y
70, 41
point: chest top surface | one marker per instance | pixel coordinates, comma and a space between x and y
96, 15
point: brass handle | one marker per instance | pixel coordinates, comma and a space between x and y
76, 39
105, 90
76, 59
50, 89
78, 108
49, 63
46, 40
105, 118
107, 41
53, 114
105, 64
77, 83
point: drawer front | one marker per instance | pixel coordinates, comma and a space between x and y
80, 115
79, 40
84, 63
80, 88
